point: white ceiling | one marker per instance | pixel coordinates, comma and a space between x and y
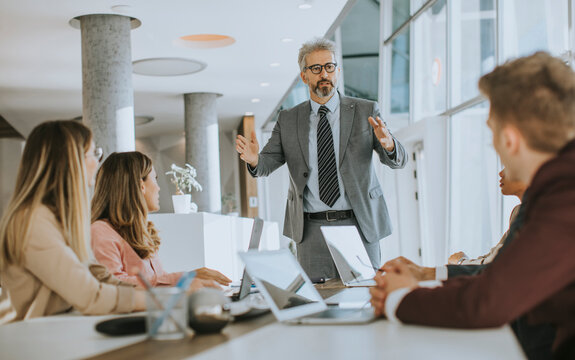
41, 71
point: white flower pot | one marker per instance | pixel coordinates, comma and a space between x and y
182, 203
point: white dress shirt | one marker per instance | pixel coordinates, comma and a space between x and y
311, 200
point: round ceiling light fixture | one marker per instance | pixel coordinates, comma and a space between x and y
167, 66
143, 119
205, 41
122, 9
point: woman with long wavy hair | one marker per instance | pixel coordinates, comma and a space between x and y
44, 233
122, 237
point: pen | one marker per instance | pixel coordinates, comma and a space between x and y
183, 283
159, 305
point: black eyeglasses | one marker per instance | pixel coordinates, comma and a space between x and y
317, 68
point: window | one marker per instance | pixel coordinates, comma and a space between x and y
430, 44
473, 46
539, 25
474, 225
400, 60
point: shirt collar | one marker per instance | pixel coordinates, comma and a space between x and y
332, 104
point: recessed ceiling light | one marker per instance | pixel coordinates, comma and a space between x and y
274, 64
264, 84
287, 40
122, 9
304, 6
167, 66
256, 100
142, 119
248, 113
204, 41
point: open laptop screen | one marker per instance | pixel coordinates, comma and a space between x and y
282, 280
257, 229
348, 253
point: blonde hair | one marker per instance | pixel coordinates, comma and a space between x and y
119, 200
51, 173
536, 94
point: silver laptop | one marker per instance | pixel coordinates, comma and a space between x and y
246, 282
349, 255
290, 293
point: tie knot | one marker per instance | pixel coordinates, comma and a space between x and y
323, 111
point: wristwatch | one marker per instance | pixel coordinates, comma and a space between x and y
463, 258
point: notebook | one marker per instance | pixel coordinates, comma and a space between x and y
291, 295
349, 255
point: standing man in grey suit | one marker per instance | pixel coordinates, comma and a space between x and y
328, 144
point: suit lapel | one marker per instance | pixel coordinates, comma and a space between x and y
303, 130
346, 119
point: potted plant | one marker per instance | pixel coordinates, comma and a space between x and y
185, 180
229, 204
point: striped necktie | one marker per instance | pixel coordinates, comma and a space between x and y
327, 170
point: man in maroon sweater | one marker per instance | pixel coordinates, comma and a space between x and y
532, 117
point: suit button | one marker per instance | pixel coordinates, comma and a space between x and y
300, 196
305, 174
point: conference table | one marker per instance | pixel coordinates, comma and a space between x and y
72, 336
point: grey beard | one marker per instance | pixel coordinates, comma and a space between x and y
324, 92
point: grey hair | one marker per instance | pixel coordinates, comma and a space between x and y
316, 44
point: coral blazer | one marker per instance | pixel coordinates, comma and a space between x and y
112, 251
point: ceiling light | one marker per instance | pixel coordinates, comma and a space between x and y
204, 41
256, 100
274, 64
122, 9
248, 113
304, 6
167, 66
142, 119
287, 40
264, 84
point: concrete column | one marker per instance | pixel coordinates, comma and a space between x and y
202, 148
10, 154
108, 96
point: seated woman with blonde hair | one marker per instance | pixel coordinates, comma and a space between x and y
122, 238
44, 262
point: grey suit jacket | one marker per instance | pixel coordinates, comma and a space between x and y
289, 144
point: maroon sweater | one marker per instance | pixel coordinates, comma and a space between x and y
534, 275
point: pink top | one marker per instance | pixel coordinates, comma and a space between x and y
112, 251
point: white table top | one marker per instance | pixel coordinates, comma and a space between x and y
378, 340
68, 336
74, 336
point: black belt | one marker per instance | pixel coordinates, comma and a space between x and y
330, 215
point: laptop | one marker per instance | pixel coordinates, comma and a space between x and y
246, 282
292, 296
349, 255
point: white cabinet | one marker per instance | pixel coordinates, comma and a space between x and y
190, 241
